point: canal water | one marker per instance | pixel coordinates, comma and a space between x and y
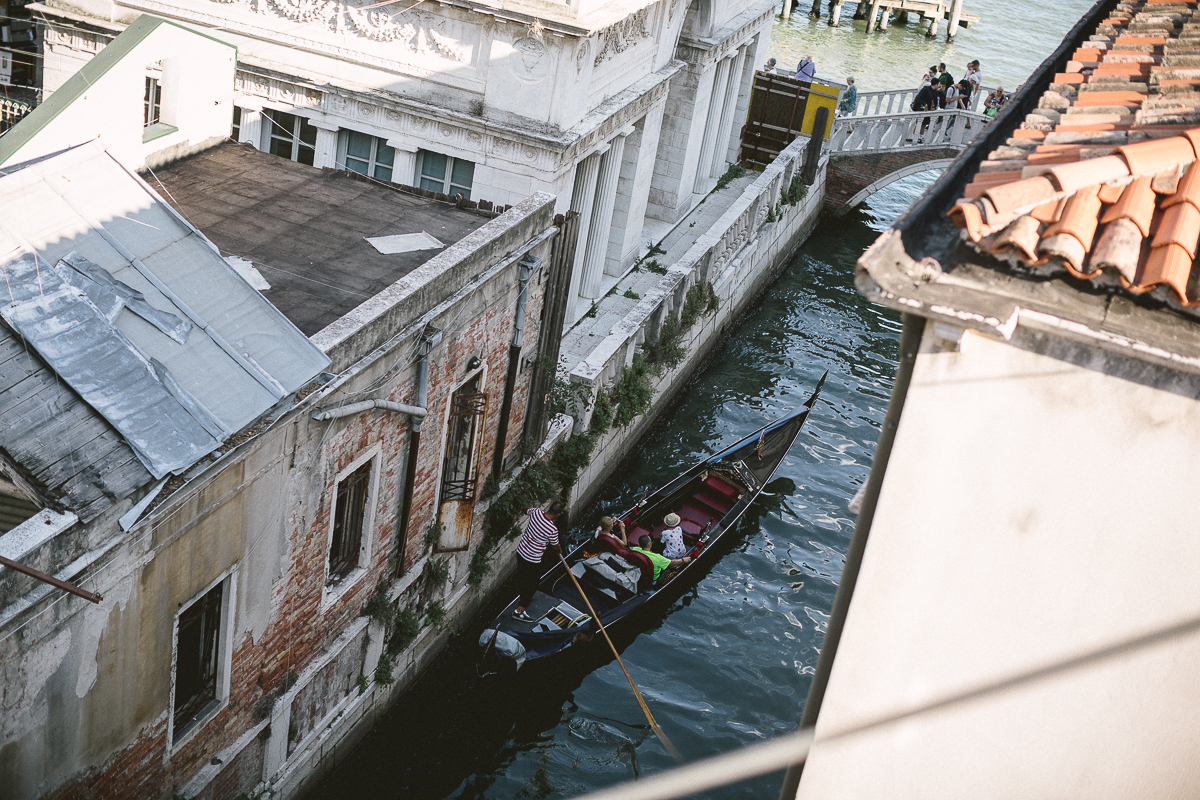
729, 663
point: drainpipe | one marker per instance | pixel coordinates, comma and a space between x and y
528, 267
427, 343
416, 412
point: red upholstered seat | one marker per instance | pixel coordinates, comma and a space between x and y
722, 488
612, 544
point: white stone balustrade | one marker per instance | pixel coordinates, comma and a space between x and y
904, 131
713, 258
898, 101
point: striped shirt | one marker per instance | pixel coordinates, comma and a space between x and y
539, 532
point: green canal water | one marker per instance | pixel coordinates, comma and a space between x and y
729, 662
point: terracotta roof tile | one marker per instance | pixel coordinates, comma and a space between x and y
1105, 175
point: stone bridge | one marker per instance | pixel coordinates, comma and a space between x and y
868, 151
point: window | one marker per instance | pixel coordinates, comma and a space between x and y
365, 154
152, 104
349, 512
441, 173
196, 660
290, 136
235, 132
467, 408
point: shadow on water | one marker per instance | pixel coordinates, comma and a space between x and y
727, 661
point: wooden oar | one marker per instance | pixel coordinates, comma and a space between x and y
641, 701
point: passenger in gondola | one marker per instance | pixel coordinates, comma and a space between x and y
659, 563
672, 538
614, 528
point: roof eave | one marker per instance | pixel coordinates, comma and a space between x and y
1002, 305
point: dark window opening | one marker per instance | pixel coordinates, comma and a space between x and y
291, 136
196, 659
152, 103
441, 173
368, 155
236, 130
349, 511
459, 472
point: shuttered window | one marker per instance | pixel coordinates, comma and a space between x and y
467, 409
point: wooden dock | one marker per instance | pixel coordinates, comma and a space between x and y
879, 13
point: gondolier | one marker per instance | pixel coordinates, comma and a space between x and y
540, 532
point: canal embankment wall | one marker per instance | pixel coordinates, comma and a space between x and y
735, 261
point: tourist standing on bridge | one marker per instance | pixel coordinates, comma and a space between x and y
945, 80
849, 101
806, 70
974, 77
928, 78
769, 67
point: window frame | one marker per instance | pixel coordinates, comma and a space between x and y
332, 590
448, 185
178, 737
152, 101
271, 132
373, 162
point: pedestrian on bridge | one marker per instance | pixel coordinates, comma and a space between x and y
849, 102
806, 70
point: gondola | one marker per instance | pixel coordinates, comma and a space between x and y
709, 498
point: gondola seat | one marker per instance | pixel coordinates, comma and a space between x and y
612, 544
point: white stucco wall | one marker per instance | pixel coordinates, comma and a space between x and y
1033, 510
196, 73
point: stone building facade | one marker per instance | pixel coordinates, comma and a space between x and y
230, 650
627, 112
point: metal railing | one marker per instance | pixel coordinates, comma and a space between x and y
925, 130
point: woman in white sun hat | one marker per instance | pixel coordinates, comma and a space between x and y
672, 538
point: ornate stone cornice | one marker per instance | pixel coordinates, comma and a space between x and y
618, 38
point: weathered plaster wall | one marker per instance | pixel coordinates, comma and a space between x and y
1036, 508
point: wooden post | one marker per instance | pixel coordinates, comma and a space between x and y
872, 11
815, 11
885, 18
933, 24
860, 9
787, 10
835, 13
955, 16
902, 16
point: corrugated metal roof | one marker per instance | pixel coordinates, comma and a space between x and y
136, 311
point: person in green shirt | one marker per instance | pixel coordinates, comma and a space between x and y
660, 562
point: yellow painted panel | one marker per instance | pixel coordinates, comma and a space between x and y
822, 96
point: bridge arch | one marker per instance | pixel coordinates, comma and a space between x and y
853, 177
903, 172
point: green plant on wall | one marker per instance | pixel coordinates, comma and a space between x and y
406, 625
433, 534
437, 572
633, 392
734, 172
435, 615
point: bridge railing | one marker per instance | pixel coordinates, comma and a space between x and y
910, 130
897, 101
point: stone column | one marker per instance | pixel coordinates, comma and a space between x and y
327, 142
602, 214
251, 131
720, 82
404, 168
728, 104
583, 200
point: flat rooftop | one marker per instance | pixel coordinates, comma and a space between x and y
304, 229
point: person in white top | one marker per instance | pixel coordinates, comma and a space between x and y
974, 77
614, 528
672, 538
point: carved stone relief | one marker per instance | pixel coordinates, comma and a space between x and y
625, 34
581, 55
418, 33
530, 61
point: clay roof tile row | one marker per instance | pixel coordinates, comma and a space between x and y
1104, 177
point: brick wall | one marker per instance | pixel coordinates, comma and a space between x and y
850, 174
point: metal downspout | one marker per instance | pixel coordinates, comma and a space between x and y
528, 267
910, 343
414, 447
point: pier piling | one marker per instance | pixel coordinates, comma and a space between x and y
835, 13
955, 17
